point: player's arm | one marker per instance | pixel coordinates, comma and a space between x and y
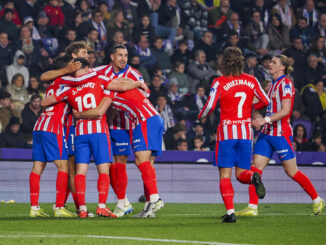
125, 84
53, 74
211, 102
50, 100
260, 94
99, 111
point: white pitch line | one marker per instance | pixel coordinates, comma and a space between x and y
118, 238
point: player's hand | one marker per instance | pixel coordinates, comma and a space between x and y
74, 66
258, 123
76, 114
144, 87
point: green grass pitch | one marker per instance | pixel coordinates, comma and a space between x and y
174, 224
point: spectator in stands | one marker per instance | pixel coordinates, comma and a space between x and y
298, 107
67, 10
79, 26
232, 40
207, 44
316, 143
7, 50
314, 99
180, 77
156, 88
135, 63
195, 18
174, 134
199, 71
144, 28
29, 22
286, 13
85, 10
182, 145
105, 11
258, 37
142, 49
98, 24
69, 38
198, 143
12, 136
18, 92
18, 66
6, 109
234, 24
300, 137
197, 130
175, 98
30, 48
117, 22
320, 27
42, 25
92, 41
11, 5
263, 67
264, 9
309, 12
301, 29
162, 57
314, 71
319, 48
182, 54
148, 7
298, 52
92, 60
28, 8
165, 111
56, 17
34, 86
250, 66
279, 38
30, 114
7, 25
218, 15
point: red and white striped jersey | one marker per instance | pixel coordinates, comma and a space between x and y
85, 97
235, 95
53, 117
135, 103
122, 119
279, 90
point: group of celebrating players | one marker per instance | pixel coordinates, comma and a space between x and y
82, 101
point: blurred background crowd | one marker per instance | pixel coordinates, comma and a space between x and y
177, 45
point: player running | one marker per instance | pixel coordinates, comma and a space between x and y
235, 91
277, 136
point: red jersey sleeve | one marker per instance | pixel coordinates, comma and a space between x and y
105, 81
109, 94
286, 89
212, 100
260, 94
76, 81
62, 93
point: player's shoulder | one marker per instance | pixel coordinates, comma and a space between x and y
135, 73
248, 77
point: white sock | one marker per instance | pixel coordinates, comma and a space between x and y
229, 211
127, 203
121, 203
154, 197
253, 206
83, 208
35, 208
146, 205
317, 200
101, 205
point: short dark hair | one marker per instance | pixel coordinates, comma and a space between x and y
61, 61
4, 95
91, 30
83, 62
36, 96
118, 46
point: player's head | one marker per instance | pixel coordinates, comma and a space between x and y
62, 61
77, 49
232, 62
119, 56
280, 65
84, 68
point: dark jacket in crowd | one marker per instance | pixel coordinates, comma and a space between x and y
29, 119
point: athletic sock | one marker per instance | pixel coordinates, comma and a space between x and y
113, 177
126, 201
34, 188
149, 177
103, 185
245, 177
253, 198
61, 186
67, 194
121, 204
306, 184
74, 196
146, 193
121, 180
80, 185
227, 193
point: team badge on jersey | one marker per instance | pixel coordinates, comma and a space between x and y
287, 90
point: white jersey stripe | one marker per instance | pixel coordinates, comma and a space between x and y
225, 132
234, 132
244, 131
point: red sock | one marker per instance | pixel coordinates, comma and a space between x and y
146, 194
306, 184
67, 194
227, 193
113, 177
253, 198
74, 196
122, 180
62, 185
245, 177
149, 177
80, 185
103, 184
34, 188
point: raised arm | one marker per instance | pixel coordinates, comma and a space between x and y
125, 84
50, 100
53, 74
263, 99
211, 102
95, 112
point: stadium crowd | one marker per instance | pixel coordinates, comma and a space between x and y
177, 46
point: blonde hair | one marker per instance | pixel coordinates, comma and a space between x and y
286, 63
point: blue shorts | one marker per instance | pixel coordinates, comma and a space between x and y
98, 144
267, 144
230, 153
120, 142
148, 136
48, 147
70, 138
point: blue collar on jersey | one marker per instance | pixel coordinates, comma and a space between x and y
278, 79
121, 72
